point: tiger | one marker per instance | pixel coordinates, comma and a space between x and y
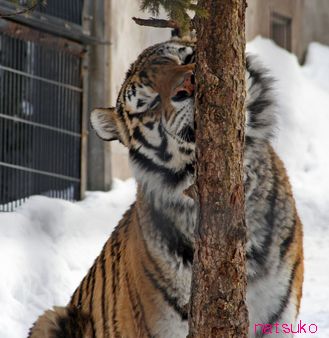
139, 285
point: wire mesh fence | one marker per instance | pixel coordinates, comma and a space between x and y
69, 10
40, 115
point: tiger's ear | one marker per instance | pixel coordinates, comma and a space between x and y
104, 121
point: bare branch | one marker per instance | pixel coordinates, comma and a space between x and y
23, 11
160, 23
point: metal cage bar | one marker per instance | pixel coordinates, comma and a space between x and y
63, 9
53, 18
41, 104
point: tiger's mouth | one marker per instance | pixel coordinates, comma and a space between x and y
186, 88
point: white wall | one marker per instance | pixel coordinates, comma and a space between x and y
128, 40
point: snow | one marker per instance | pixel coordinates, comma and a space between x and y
316, 67
47, 245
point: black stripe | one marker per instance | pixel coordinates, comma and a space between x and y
149, 125
115, 280
259, 76
284, 301
165, 282
72, 302
254, 254
89, 278
103, 266
91, 301
285, 245
178, 244
145, 79
171, 177
137, 135
249, 141
135, 308
114, 295
129, 72
155, 102
172, 301
138, 115
184, 249
133, 89
120, 111
80, 294
138, 309
270, 216
257, 106
140, 306
260, 255
140, 103
187, 134
72, 325
161, 151
157, 269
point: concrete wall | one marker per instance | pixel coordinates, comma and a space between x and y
310, 21
258, 20
128, 40
315, 23
255, 23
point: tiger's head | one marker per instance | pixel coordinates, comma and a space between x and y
154, 118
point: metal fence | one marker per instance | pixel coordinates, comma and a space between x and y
69, 10
40, 110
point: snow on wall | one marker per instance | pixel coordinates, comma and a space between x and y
47, 245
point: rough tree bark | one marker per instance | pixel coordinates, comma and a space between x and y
217, 306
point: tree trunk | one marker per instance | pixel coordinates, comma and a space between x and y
217, 306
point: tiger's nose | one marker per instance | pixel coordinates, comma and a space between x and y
187, 85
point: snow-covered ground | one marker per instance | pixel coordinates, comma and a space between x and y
47, 245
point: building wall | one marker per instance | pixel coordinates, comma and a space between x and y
258, 19
315, 23
255, 23
98, 88
128, 40
310, 21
